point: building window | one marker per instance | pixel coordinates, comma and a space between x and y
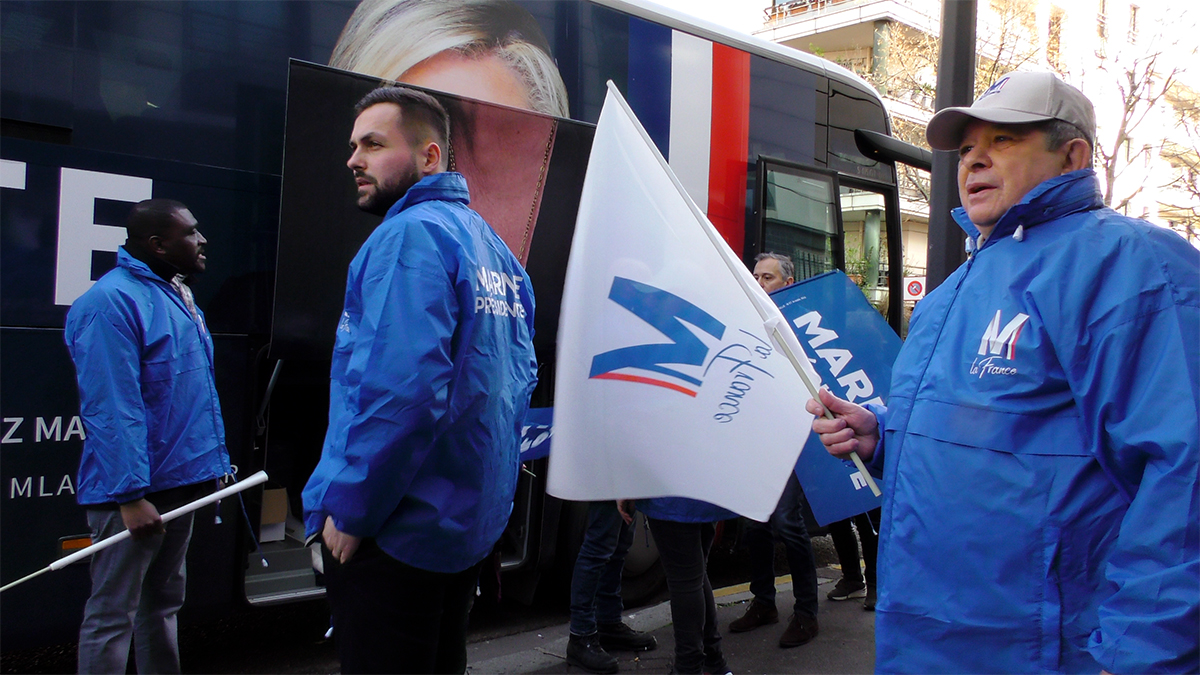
1054, 40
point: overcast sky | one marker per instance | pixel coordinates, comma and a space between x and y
740, 15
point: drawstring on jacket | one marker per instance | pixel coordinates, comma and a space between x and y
972, 245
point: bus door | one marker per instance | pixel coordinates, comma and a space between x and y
825, 221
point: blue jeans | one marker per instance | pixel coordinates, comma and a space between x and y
787, 523
137, 590
596, 581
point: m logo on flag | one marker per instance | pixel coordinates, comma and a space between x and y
667, 313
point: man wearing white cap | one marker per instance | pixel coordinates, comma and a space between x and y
1039, 449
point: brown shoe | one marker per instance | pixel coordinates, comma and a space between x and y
757, 614
800, 631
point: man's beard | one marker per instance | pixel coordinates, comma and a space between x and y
386, 196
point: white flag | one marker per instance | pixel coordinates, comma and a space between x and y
670, 380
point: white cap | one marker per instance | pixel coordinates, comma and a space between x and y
1016, 98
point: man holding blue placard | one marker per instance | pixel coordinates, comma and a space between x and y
773, 271
1039, 447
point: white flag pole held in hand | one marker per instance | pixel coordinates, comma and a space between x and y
790, 346
256, 479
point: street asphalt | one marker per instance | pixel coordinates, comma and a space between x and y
846, 643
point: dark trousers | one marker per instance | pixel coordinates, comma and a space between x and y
786, 524
389, 617
684, 550
596, 581
847, 547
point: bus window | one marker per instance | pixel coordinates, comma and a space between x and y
798, 216
870, 214
864, 219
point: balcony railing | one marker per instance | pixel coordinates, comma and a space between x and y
784, 10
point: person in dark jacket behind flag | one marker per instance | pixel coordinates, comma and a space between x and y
433, 367
155, 439
683, 530
1040, 446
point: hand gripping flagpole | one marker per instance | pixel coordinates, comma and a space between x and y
256, 479
784, 339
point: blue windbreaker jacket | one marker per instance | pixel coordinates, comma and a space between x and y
432, 371
147, 393
683, 510
1040, 452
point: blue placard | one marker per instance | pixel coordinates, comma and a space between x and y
852, 348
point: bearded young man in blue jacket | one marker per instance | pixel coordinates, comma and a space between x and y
433, 367
1039, 447
155, 439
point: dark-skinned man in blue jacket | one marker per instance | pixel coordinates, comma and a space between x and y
155, 438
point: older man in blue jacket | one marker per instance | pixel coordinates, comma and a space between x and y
1040, 446
155, 440
433, 367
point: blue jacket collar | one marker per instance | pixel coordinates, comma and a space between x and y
135, 266
1050, 200
445, 186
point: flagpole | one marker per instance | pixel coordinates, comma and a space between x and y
256, 479
771, 320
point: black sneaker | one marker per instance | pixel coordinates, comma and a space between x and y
585, 651
846, 589
869, 603
618, 636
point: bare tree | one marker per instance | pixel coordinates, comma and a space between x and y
1151, 115
1137, 77
1142, 85
1007, 41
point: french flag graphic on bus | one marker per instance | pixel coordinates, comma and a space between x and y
693, 98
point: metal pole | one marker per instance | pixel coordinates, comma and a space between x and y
955, 87
256, 479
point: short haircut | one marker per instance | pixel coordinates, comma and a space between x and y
422, 117
785, 263
1059, 133
152, 217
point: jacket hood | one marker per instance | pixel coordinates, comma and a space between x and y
1049, 200
445, 186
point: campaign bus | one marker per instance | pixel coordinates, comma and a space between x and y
242, 111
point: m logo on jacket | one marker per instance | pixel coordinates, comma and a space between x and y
1002, 342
